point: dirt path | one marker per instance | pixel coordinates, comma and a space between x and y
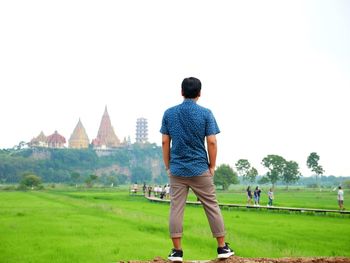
256, 260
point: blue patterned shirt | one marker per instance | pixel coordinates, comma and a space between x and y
188, 124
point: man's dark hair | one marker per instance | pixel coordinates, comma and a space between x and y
191, 87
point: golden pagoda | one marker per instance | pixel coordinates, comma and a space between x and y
106, 137
79, 138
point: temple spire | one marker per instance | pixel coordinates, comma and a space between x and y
79, 138
106, 137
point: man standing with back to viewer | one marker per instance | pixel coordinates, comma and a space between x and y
185, 127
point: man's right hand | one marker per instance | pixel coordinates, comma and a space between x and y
212, 171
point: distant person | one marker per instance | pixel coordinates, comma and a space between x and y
270, 195
144, 188
135, 188
149, 190
155, 189
185, 128
340, 198
167, 191
257, 193
249, 196
160, 190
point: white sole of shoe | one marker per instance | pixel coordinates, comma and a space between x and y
175, 259
227, 255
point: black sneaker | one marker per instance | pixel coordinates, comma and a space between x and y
225, 252
175, 255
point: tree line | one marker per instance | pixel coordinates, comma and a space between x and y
136, 163
278, 169
137, 166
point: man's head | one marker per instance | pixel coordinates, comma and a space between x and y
191, 88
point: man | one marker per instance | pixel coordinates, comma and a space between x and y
340, 198
186, 127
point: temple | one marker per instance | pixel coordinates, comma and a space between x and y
39, 141
56, 140
141, 130
106, 137
79, 138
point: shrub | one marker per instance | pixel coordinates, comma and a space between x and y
30, 180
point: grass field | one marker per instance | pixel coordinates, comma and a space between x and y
109, 225
294, 197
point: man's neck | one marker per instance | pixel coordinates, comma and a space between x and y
194, 99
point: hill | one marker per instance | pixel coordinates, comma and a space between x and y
128, 164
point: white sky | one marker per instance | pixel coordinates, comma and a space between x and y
276, 74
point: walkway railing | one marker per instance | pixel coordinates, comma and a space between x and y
276, 208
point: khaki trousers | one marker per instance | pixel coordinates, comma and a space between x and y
204, 189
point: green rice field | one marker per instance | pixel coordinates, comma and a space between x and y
295, 197
109, 225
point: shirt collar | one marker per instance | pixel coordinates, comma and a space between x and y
189, 101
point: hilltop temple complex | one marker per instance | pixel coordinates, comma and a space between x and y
54, 140
106, 138
79, 138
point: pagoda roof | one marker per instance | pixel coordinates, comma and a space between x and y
79, 133
40, 138
56, 138
106, 135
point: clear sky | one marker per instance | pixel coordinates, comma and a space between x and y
276, 74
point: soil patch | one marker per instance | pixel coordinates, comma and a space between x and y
235, 259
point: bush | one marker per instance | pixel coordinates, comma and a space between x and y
30, 180
313, 185
9, 188
22, 187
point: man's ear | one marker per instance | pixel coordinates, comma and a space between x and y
182, 93
199, 94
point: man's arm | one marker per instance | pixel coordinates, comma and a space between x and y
212, 151
166, 150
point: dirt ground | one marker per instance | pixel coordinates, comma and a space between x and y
235, 259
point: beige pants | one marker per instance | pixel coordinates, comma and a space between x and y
203, 187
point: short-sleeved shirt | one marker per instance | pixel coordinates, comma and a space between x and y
341, 195
188, 124
249, 192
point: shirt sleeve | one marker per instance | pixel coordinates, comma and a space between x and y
211, 127
164, 128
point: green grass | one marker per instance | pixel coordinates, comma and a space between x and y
108, 225
305, 198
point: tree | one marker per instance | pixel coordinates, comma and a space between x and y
243, 166
291, 173
21, 145
263, 180
252, 174
276, 165
74, 177
224, 176
122, 178
30, 180
312, 163
140, 174
90, 180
